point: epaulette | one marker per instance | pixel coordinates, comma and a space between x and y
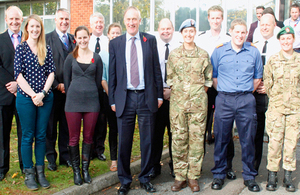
202, 33
220, 45
252, 44
228, 34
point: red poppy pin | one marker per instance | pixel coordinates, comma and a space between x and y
74, 41
144, 39
92, 61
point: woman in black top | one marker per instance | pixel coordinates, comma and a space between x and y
82, 79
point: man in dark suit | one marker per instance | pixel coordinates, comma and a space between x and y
61, 43
8, 86
254, 25
135, 88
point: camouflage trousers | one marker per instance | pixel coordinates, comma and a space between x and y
187, 144
282, 130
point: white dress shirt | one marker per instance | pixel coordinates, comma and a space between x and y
161, 47
103, 42
296, 27
208, 42
139, 51
273, 46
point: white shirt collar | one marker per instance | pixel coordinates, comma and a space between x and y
60, 34
137, 36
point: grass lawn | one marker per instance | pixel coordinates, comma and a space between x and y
63, 177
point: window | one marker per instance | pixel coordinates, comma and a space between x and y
2, 19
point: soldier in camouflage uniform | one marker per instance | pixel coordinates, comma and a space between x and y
189, 76
282, 82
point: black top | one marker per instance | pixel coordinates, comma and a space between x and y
83, 87
83, 66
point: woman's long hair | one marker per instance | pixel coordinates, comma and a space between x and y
79, 28
41, 43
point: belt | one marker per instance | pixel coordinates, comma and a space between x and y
234, 93
136, 90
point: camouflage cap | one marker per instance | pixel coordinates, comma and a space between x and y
285, 30
187, 23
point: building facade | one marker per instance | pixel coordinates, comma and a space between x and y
152, 11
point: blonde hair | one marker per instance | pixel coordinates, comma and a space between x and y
238, 21
215, 8
41, 42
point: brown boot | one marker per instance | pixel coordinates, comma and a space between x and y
178, 185
193, 184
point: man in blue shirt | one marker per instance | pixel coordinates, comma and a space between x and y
237, 71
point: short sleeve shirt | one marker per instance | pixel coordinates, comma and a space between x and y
235, 71
26, 63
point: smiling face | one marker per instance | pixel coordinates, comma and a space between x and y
286, 42
165, 30
97, 26
62, 21
14, 20
132, 21
294, 13
33, 29
114, 32
267, 26
188, 34
82, 38
215, 20
238, 35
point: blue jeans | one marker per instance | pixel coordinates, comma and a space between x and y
34, 122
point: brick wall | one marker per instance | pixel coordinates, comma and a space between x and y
80, 13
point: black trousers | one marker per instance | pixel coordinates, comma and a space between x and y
6, 116
212, 94
135, 105
113, 129
162, 121
57, 116
261, 108
100, 129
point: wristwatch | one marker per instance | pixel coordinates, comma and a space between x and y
45, 93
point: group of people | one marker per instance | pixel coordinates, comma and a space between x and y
96, 79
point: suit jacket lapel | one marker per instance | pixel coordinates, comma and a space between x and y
57, 42
72, 40
144, 49
8, 41
123, 50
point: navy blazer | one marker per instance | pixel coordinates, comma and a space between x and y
118, 75
53, 40
7, 56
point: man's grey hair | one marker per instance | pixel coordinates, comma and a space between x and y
97, 14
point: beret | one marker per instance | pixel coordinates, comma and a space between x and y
285, 30
187, 23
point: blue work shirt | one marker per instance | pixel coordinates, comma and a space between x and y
236, 71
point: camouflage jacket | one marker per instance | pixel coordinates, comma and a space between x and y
188, 72
282, 82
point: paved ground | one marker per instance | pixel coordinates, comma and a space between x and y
164, 181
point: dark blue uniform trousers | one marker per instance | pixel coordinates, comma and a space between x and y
240, 107
135, 105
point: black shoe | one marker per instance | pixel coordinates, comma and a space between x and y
272, 181
101, 157
230, 174
172, 173
124, 189
287, 181
154, 174
2, 176
52, 166
40, 176
217, 184
30, 179
148, 187
252, 185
